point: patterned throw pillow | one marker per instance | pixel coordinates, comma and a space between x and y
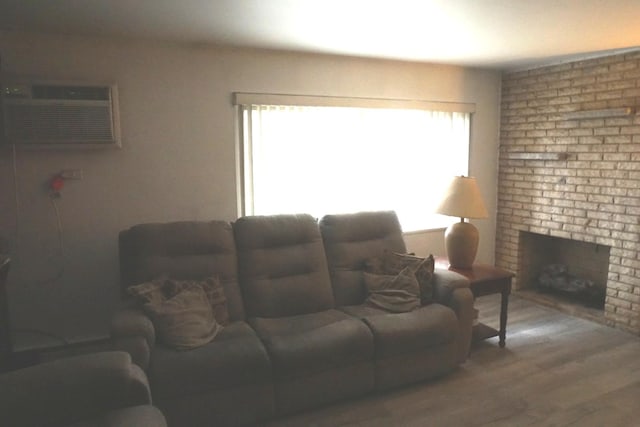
399, 293
215, 294
185, 320
391, 263
148, 291
164, 288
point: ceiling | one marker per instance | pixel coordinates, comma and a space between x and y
504, 34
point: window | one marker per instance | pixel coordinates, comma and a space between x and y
340, 159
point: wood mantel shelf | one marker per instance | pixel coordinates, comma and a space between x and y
595, 114
536, 156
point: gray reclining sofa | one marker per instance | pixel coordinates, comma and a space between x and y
300, 333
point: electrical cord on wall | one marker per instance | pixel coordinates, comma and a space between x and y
60, 273
60, 233
17, 258
16, 199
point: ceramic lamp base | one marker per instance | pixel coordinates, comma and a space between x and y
461, 243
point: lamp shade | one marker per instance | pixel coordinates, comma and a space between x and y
463, 199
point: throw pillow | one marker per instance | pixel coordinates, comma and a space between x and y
423, 268
148, 291
399, 293
184, 321
164, 288
217, 298
391, 263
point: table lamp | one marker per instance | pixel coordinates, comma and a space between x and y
462, 199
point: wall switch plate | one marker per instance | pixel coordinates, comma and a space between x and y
71, 174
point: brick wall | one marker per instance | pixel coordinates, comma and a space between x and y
591, 193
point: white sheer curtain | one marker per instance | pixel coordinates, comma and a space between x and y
321, 160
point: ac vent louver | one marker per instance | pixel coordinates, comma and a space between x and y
60, 115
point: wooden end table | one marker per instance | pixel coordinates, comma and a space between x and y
486, 280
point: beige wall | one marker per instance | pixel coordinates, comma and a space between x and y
178, 156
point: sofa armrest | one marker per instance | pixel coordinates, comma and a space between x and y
445, 282
67, 390
452, 289
133, 332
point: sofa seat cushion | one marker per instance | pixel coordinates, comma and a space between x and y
138, 416
403, 333
363, 310
236, 357
311, 343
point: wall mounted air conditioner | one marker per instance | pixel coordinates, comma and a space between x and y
60, 115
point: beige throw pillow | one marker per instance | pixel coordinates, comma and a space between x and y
148, 291
217, 298
163, 288
391, 263
184, 321
423, 268
399, 293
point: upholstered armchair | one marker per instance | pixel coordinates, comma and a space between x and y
101, 389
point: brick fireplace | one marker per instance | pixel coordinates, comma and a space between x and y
570, 169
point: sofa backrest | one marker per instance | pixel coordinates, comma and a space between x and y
351, 239
182, 250
282, 265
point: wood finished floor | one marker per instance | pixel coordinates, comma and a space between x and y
557, 370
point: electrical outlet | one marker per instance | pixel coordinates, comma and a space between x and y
71, 174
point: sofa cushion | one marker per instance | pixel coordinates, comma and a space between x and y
182, 250
138, 416
235, 358
351, 239
404, 333
311, 343
399, 293
361, 311
282, 265
410, 346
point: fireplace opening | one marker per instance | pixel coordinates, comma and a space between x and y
564, 272
559, 280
